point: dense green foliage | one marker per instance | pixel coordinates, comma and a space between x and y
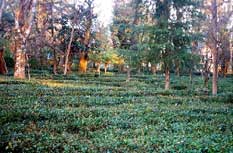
106, 114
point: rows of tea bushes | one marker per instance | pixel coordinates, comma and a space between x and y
84, 113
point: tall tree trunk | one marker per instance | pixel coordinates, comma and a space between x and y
231, 58
215, 74
55, 63
87, 36
68, 50
83, 62
214, 46
20, 60
23, 26
167, 78
3, 68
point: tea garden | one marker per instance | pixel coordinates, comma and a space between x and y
83, 113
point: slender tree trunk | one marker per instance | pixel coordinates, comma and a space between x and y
28, 67
1, 10
98, 68
206, 70
214, 46
70, 63
61, 62
68, 51
105, 68
225, 69
139, 70
167, 78
128, 74
215, 74
177, 65
3, 67
177, 71
54, 62
202, 73
120, 68
231, 63
206, 79
191, 77
231, 60
153, 69
41, 57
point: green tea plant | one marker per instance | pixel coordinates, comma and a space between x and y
74, 113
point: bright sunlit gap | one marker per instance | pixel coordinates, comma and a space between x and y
103, 9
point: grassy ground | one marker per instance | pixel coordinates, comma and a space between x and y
107, 114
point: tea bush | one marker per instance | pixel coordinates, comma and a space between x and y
82, 113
